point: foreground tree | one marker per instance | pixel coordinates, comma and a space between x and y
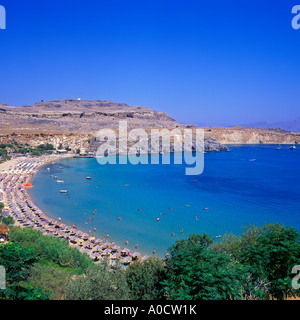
271, 258
194, 271
98, 283
144, 279
17, 262
50, 279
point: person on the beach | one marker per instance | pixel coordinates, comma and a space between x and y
126, 242
95, 229
154, 251
137, 247
107, 235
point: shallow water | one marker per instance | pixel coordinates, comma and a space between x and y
237, 191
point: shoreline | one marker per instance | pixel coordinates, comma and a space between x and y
18, 172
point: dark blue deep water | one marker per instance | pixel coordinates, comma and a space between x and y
237, 191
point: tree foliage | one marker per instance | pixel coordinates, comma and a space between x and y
271, 258
195, 272
144, 279
99, 283
17, 262
51, 248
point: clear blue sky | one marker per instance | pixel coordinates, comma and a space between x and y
200, 61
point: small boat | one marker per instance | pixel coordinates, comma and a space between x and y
63, 191
48, 169
89, 178
252, 160
292, 147
278, 148
59, 181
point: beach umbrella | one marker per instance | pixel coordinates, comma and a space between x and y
84, 236
116, 247
107, 243
95, 255
73, 239
106, 252
125, 250
88, 244
145, 258
116, 255
97, 247
98, 241
127, 260
113, 263
135, 254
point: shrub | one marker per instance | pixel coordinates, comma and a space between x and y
98, 283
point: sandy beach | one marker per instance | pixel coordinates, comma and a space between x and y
15, 176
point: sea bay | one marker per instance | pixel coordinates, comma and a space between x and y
250, 185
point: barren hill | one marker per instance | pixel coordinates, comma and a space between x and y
84, 116
73, 123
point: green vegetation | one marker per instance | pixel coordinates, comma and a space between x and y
144, 279
255, 265
8, 220
17, 262
18, 148
99, 283
1, 208
50, 248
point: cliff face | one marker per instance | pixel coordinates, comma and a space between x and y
243, 135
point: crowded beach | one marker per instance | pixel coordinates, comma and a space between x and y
15, 178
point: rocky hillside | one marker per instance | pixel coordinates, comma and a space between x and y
73, 124
243, 135
82, 116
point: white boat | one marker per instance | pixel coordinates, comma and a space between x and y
59, 181
63, 191
292, 147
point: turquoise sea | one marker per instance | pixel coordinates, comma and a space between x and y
237, 191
